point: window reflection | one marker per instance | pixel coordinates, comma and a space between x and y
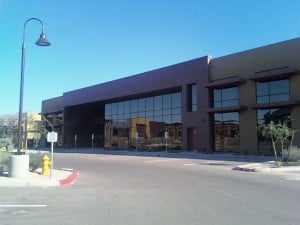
167, 101
157, 102
167, 111
126, 107
120, 107
225, 97
114, 108
108, 109
176, 100
229, 93
272, 91
192, 98
134, 106
217, 95
279, 86
149, 104
149, 117
227, 132
264, 117
142, 105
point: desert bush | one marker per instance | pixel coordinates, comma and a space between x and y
35, 160
291, 155
4, 156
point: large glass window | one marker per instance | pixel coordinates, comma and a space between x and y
114, 108
176, 100
227, 132
272, 91
192, 98
134, 105
225, 97
149, 117
126, 107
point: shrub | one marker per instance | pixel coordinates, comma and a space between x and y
291, 155
35, 160
4, 156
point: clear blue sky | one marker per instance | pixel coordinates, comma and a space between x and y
95, 41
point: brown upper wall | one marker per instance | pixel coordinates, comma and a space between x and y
52, 105
246, 63
242, 64
161, 79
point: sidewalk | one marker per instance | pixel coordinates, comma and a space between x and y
164, 153
60, 177
248, 163
269, 167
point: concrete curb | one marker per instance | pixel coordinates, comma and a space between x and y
266, 167
41, 181
243, 169
280, 169
70, 179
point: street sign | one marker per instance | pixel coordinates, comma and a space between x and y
166, 134
52, 136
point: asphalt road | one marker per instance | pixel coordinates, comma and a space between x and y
130, 190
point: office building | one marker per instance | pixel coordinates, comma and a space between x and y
205, 104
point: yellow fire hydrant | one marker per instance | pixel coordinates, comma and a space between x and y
45, 165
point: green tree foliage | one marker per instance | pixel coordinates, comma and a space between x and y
279, 132
8, 130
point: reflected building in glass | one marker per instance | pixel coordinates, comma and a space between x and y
142, 123
205, 104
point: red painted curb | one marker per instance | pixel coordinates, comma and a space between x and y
244, 169
69, 179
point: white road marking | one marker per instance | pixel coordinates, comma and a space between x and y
293, 179
189, 164
22, 206
161, 160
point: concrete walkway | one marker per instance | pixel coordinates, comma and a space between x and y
269, 166
59, 177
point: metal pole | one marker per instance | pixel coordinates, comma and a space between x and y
166, 138
75, 141
166, 144
136, 141
92, 141
51, 170
21, 99
22, 83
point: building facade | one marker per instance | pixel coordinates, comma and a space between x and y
206, 104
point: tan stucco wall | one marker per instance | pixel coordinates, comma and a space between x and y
245, 64
31, 118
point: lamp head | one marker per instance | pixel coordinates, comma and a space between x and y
42, 41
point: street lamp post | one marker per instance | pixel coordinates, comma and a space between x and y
42, 41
